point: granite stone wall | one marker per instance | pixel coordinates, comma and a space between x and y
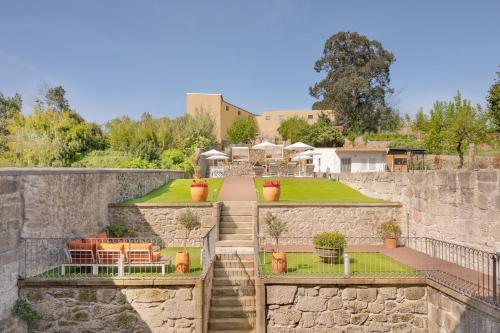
456, 206
449, 315
352, 309
112, 309
352, 220
59, 203
159, 220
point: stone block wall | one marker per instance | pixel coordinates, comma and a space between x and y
59, 203
334, 308
352, 220
112, 309
449, 315
456, 206
160, 220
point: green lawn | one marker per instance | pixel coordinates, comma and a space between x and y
178, 190
361, 264
86, 272
315, 190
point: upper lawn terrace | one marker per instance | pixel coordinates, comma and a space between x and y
293, 190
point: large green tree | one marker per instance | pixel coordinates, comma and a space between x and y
453, 126
242, 130
291, 128
494, 104
356, 83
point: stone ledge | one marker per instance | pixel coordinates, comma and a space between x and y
314, 280
328, 204
189, 281
59, 171
161, 205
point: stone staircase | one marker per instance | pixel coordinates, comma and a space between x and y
232, 307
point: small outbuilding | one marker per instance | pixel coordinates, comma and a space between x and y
405, 159
350, 159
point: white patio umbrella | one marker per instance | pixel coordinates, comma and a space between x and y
264, 145
217, 157
299, 147
213, 152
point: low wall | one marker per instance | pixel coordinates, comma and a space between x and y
66, 202
456, 206
113, 309
336, 308
354, 220
159, 220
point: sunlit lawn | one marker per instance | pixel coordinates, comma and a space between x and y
361, 264
149, 271
178, 190
315, 190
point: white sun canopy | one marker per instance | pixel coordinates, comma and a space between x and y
213, 152
298, 146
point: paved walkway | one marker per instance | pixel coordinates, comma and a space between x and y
238, 188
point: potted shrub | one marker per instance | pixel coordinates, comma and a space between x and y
329, 245
271, 190
199, 190
390, 232
276, 227
190, 221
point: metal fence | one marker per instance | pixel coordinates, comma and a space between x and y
470, 271
208, 250
66, 258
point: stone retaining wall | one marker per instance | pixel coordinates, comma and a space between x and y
354, 220
159, 220
113, 309
334, 308
456, 206
51, 202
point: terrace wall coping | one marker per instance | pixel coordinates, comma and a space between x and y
328, 204
161, 205
60, 171
315, 280
149, 282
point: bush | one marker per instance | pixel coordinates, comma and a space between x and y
242, 130
389, 229
103, 159
24, 311
190, 221
119, 230
275, 227
330, 240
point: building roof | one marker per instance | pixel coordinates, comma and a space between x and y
406, 150
360, 150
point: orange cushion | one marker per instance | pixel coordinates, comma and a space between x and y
79, 245
156, 256
138, 257
110, 246
138, 246
97, 238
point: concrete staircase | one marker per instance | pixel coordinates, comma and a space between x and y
236, 224
232, 307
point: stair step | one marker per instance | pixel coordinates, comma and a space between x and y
247, 237
236, 211
231, 323
230, 331
237, 218
235, 257
234, 264
238, 230
232, 312
245, 225
247, 204
234, 243
220, 282
232, 301
234, 272
233, 291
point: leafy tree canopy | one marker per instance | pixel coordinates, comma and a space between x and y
452, 126
356, 84
322, 134
494, 104
242, 130
10, 108
291, 128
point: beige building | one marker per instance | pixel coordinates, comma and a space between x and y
224, 114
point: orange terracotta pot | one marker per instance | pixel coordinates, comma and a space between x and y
279, 262
271, 193
182, 262
390, 243
199, 194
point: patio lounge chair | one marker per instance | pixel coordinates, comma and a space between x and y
80, 254
291, 169
273, 170
309, 172
142, 255
258, 171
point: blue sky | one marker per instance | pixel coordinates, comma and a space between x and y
119, 58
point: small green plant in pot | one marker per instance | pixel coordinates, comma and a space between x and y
330, 246
390, 232
190, 221
276, 227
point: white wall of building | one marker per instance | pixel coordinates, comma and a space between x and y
329, 160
